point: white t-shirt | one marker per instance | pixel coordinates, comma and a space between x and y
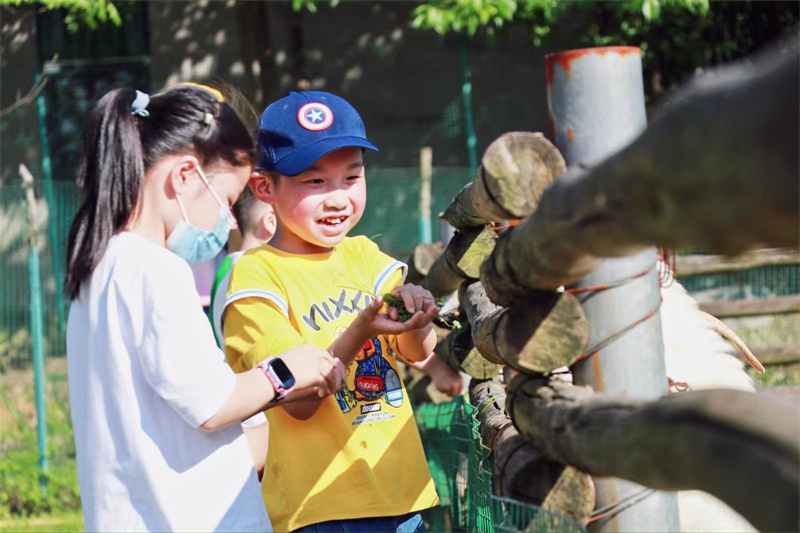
144, 374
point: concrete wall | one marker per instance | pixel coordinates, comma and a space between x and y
405, 82
19, 136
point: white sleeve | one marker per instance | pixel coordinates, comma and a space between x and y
258, 419
179, 357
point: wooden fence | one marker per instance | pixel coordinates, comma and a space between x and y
724, 148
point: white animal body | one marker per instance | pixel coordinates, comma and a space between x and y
697, 354
695, 350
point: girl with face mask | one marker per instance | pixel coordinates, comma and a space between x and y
155, 409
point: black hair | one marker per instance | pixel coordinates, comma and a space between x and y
120, 147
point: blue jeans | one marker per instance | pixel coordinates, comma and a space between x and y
408, 523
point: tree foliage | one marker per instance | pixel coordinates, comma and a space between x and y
475, 16
87, 12
677, 37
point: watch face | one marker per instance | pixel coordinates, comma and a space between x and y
283, 373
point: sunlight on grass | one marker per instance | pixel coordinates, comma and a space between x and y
61, 522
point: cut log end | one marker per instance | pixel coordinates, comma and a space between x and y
422, 258
516, 169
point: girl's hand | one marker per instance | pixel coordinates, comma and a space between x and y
314, 369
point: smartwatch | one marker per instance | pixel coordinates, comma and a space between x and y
279, 375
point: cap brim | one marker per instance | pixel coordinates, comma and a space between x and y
303, 158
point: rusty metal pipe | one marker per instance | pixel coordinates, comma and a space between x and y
596, 104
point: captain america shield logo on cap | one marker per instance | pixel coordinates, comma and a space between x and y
315, 116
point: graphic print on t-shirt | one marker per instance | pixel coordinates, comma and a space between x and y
371, 381
329, 309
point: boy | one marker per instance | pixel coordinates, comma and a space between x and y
353, 460
256, 222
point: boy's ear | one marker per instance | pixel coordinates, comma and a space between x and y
262, 186
267, 224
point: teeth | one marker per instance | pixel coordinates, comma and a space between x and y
333, 220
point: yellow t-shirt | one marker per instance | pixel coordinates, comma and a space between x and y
360, 454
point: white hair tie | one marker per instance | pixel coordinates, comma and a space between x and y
140, 103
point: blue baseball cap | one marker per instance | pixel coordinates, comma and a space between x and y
300, 128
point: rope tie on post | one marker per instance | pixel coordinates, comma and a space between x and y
667, 267
678, 386
593, 289
608, 512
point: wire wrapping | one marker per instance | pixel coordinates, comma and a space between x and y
593, 289
626, 502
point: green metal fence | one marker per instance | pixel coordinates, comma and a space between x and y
462, 470
757, 282
61, 200
393, 205
390, 218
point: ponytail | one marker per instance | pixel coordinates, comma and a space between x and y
110, 174
120, 146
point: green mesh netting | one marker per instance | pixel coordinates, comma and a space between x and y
392, 212
758, 282
60, 200
462, 468
391, 219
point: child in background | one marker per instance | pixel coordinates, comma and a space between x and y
353, 461
256, 221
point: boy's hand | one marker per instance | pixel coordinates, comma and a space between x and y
415, 299
409, 299
445, 379
415, 343
370, 322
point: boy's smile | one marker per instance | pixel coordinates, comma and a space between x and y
318, 207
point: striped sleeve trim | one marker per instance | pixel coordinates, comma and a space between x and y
386, 272
259, 293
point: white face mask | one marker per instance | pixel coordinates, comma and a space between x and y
196, 244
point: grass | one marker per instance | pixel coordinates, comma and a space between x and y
72, 521
23, 506
777, 375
